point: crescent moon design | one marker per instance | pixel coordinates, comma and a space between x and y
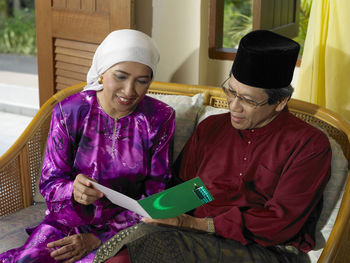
158, 205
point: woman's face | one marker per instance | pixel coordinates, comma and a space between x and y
124, 86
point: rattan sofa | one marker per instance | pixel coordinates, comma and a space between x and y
21, 164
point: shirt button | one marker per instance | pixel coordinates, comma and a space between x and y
252, 130
245, 158
249, 142
240, 174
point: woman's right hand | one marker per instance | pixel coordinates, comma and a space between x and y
83, 190
72, 248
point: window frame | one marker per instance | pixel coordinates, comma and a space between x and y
216, 51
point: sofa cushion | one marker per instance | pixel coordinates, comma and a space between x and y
186, 109
332, 194
332, 198
12, 227
207, 111
323, 234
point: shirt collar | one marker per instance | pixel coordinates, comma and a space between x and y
276, 123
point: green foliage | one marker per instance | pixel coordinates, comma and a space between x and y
18, 34
237, 21
305, 9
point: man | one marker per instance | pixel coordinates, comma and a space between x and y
265, 168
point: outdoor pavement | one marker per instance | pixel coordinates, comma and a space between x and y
19, 96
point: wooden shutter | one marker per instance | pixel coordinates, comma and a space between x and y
68, 33
280, 16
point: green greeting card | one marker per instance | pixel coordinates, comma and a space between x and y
177, 200
168, 203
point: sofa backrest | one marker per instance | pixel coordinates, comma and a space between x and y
333, 123
21, 164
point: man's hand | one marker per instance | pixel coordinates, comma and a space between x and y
73, 248
182, 221
83, 191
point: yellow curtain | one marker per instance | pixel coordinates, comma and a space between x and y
324, 75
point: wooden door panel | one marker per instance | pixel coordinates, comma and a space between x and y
73, 52
59, 3
70, 74
78, 25
88, 5
102, 5
73, 4
75, 45
72, 67
68, 33
73, 60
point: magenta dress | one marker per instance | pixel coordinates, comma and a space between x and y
130, 155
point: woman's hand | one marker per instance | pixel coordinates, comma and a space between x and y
83, 191
73, 248
181, 221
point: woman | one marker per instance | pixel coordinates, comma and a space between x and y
110, 133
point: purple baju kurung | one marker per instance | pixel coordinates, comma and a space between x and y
130, 155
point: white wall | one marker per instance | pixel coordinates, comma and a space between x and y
181, 30
211, 72
176, 29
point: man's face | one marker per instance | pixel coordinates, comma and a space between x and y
244, 115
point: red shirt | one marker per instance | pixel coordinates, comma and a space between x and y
267, 182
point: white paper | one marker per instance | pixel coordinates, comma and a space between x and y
121, 200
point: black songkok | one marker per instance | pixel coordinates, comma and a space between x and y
265, 60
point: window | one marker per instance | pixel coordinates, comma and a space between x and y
280, 16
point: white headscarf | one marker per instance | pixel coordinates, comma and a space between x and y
121, 46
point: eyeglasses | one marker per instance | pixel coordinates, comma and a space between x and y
232, 94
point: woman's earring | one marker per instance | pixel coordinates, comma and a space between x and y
100, 80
